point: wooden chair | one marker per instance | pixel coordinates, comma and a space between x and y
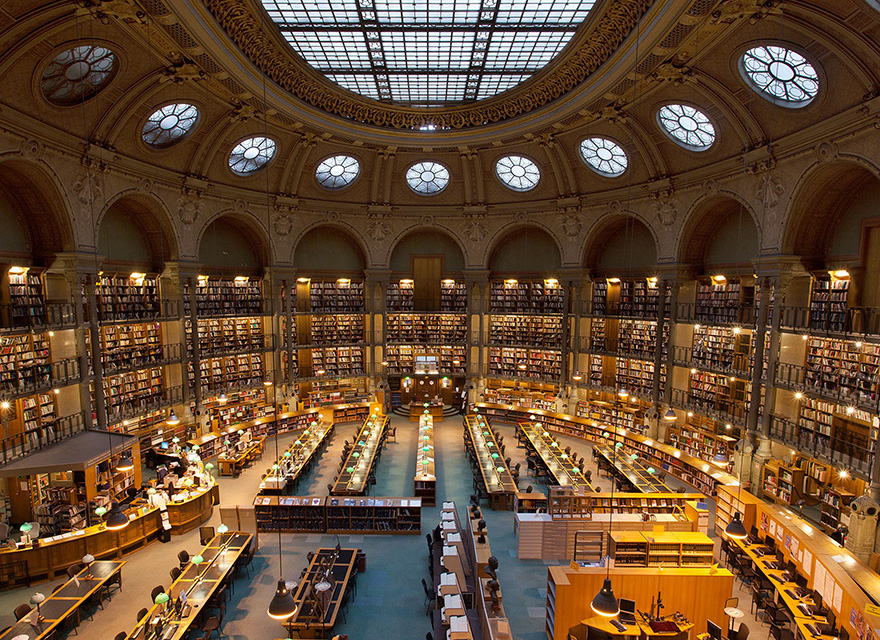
21, 611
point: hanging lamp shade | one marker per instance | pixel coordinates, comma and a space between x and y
605, 604
282, 606
222, 398
623, 393
670, 415
117, 519
173, 419
222, 528
720, 458
125, 463
736, 529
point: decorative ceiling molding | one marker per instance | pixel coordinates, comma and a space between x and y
598, 40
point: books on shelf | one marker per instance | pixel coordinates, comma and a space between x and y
338, 328
219, 296
133, 391
126, 297
226, 335
126, 346
336, 296
720, 302
525, 363
526, 297
843, 367
401, 358
338, 361
637, 376
229, 371
453, 296
828, 301
637, 337
24, 362
526, 330
426, 328
26, 297
400, 296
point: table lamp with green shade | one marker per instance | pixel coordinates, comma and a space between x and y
162, 599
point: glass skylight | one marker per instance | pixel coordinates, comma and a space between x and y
77, 74
428, 52
250, 155
517, 173
337, 172
427, 178
781, 75
169, 124
687, 126
604, 156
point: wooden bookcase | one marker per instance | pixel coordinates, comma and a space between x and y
25, 294
126, 297
453, 296
699, 442
668, 549
564, 504
224, 296
539, 364
513, 296
426, 328
338, 515
719, 301
126, 346
340, 296
529, 330
835, 508
24, 362
828, 303
400, 296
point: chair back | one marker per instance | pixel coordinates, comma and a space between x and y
22, 610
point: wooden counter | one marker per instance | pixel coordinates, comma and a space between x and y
416, 411
232, 466
52, 556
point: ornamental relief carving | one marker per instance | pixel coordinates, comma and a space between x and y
238, 19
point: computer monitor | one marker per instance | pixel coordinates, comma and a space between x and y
164, 446
714, 630
817, 599
627, 610
770, 542
754, 535
801, 581
791, 568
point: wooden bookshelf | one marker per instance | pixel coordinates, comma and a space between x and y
226, 335
623, 415
222, 296
638, 337
843, 368
26, 296
538, 364
835, 508
131, 392
782, 482
218, 374
528, 330
374, 515
290, 514
126, 346
524, 394
338, 361
24, 362
729, 500
566, 504
700, 443
718, 301
400, 296
828, 303
124, 297
453, 296
426, 328
724, 348
513, 296
340, 296
337, 329
668, 549
637, 376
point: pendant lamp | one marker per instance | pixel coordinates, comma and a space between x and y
605, 604
735, 528
670, 415
282, 605
117, 519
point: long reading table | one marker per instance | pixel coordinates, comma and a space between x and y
297, 456
496, 476
355, 474
555, 460
320, 594
632, 470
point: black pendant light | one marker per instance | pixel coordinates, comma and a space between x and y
282, 606
605, 604
117, 519
735, 528
125, 463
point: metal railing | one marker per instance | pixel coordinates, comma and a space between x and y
857, 321
54, 315
842, 448
21, 444
138, 406
831, 386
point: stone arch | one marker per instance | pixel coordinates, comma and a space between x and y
40, 206
247, 227
822, 194
314, 250
709, 216
455, 255
624, 229
149, 216
532, 243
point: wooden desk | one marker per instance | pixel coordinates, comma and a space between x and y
67, 600
635, 630
318, 610
425, 482
554, 458
232, 466
297, 456
633, 471
417, 410
496, 475
199, 582
362, 458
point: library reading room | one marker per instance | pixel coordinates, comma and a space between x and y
442, 319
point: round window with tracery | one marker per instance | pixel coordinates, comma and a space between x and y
517, 173
251, 155
170, 124
781, 75
77, 74
427, 178
686, 125
604, 156
337, 172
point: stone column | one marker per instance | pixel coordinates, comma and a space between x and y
763, 452
477, 282
376, 310
95, 339
862, 537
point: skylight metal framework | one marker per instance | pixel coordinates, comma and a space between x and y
428, 52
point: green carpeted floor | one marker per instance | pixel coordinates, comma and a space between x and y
390, 598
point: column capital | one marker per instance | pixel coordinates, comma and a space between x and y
377, 276
476, 276
182, 269
676, 272
279, 273
74, 264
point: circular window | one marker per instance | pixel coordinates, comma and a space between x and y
251, 155
170, 124
337, 172
781, 75
77, 74
517, 173
427, 178
604, 156
687, 126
